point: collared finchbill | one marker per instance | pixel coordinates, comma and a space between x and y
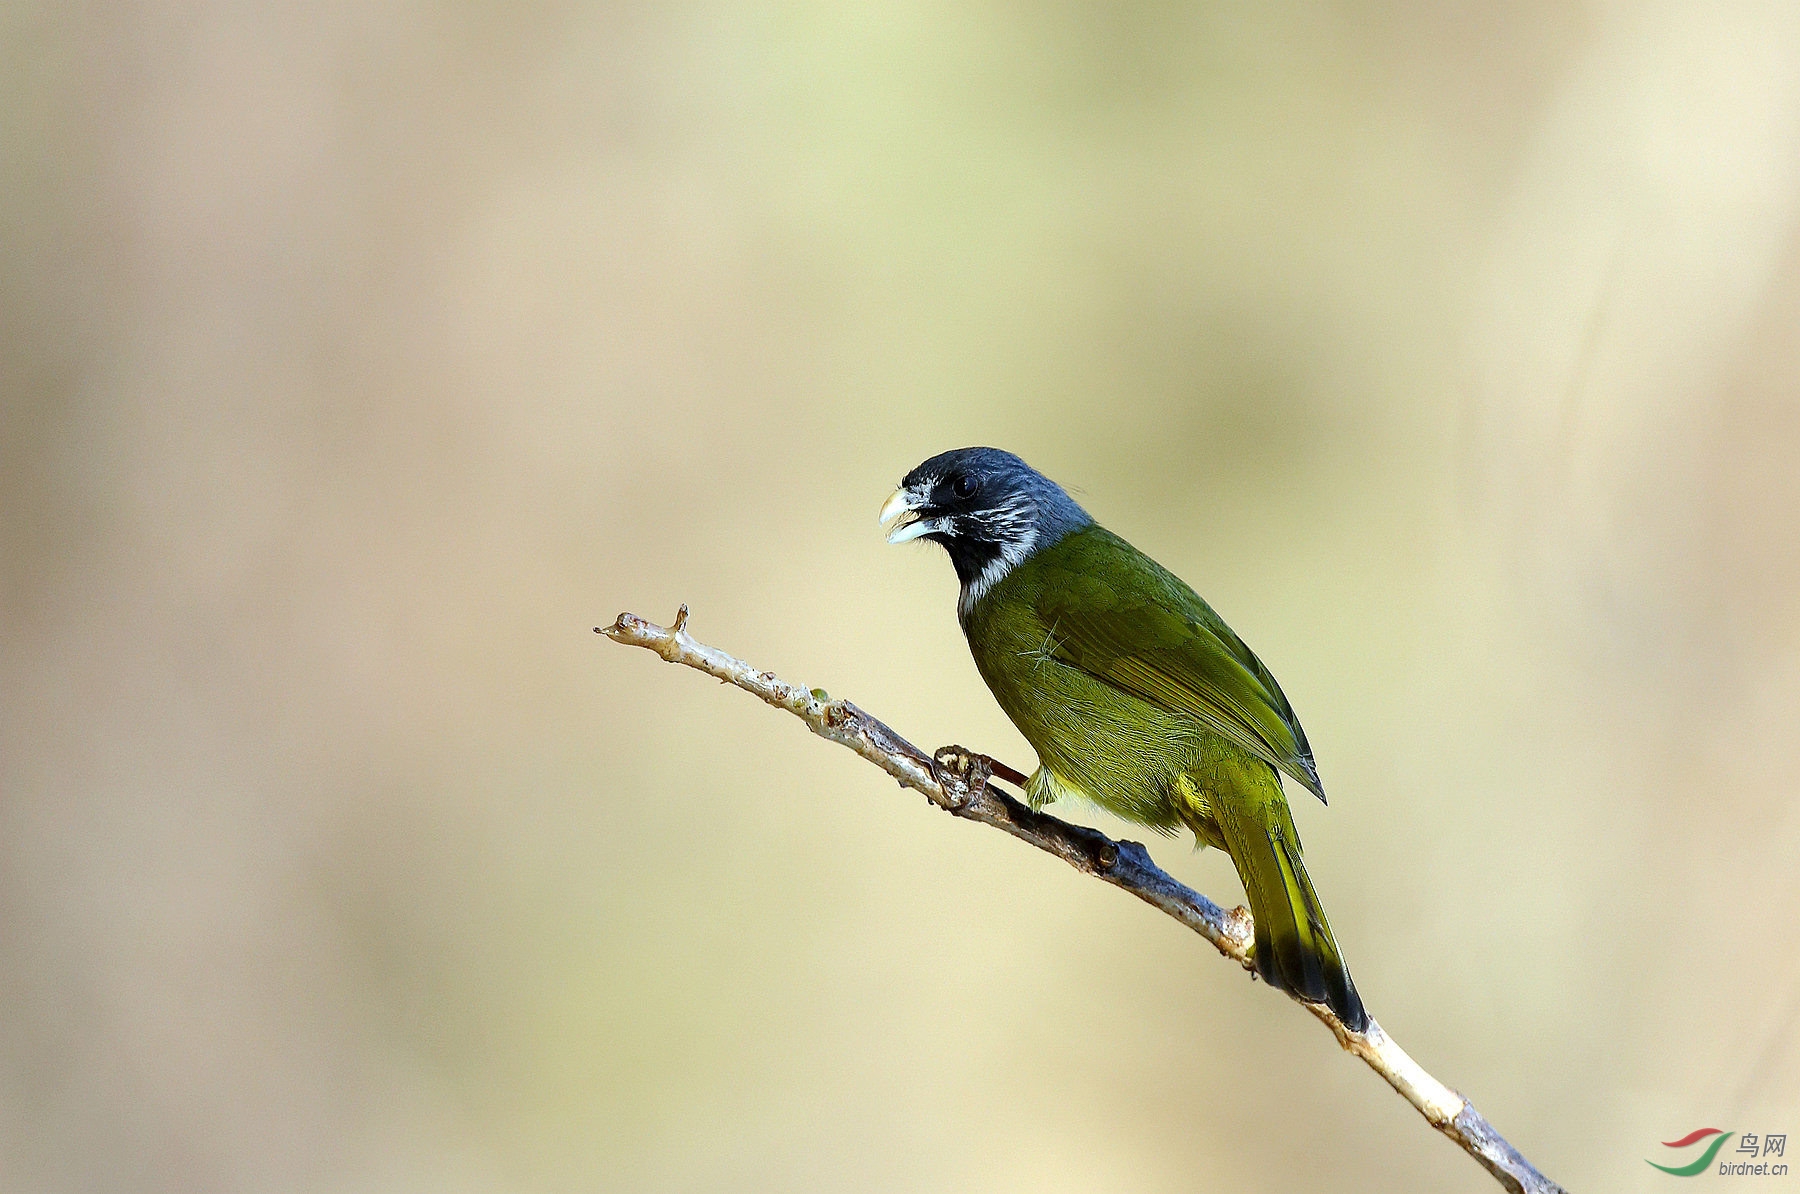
1132, 691
900, 504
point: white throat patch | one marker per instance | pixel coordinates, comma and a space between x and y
1018, 536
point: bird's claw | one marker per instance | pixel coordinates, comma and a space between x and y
1239, 924
961, 773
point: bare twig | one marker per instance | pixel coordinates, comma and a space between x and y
956, 780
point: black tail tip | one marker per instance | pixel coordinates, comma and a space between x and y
1351, 1012
1345, 1003
1326, 984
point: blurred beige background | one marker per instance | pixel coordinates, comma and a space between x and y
358, 360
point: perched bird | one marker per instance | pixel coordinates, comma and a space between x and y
1133, 692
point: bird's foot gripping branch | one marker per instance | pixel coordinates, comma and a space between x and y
960, 771
958, 781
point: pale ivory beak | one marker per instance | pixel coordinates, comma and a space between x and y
898, 505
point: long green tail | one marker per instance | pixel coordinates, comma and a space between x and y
1294, 947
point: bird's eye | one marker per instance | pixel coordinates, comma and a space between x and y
964, 486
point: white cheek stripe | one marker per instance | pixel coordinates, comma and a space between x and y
1011, 552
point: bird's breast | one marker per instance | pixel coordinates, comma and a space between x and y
1122, 752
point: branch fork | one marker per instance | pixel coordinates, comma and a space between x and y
958, 781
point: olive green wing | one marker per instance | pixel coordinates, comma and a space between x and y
1125, 620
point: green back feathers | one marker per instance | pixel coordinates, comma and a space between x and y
1121, 617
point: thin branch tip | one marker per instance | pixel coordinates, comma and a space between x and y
956, 779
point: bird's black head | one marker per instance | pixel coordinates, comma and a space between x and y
987, 508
